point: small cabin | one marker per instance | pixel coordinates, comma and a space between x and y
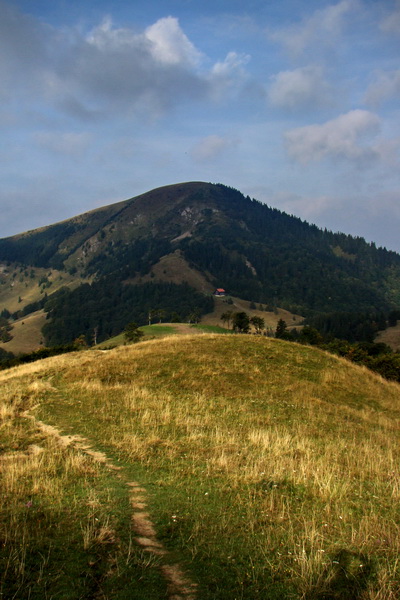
219, 292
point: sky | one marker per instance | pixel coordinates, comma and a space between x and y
293, 102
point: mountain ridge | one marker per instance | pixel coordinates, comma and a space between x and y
206, 236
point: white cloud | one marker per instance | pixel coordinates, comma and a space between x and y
322, 27
228, 75
106, 37
170, 45
233, 63
346, 137
300, 89
386, 85
210, 147
164, 41
135, 72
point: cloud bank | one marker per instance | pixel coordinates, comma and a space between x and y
346, 137
321, 28
108, 69
302, 88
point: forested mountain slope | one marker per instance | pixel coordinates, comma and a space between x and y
219, 238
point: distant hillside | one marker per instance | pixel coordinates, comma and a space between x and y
206, 236
390, 336
249, 467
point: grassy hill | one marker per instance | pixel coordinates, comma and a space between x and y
213, 467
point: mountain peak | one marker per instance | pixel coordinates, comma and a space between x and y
218, 237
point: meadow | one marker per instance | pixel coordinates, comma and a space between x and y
268, 470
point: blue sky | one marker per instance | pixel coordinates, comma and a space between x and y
293, 102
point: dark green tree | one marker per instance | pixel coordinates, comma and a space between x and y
194, 316
281, 329
132, 333
393, 317
310, 335
227, 317
241, 322
258, 323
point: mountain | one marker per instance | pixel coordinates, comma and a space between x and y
172, 246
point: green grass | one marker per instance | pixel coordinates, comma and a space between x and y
158, 330
270, 468
211, 328
113, 342
65, 525
150, 331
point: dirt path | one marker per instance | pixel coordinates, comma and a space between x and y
179, 585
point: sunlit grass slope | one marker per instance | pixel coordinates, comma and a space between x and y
271, 468
26, 334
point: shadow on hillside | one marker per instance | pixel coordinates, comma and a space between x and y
345, 579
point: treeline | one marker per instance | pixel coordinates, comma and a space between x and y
351, 326
378, 357
103, 309
348, 326
8, 359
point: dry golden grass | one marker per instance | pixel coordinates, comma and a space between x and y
390, 336
271, 318
173, 268
277, 456
26, 334
18, 288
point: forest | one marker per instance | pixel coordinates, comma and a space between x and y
104, 308
267, 256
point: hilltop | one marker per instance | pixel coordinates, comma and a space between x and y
206, 466
170, 248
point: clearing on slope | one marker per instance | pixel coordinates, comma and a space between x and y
391, 337
231, 303
26, 334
